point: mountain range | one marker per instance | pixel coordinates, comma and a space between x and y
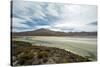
47, 32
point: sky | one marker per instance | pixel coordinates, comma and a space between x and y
29, 15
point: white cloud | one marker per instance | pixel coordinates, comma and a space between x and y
77, 18
72, 17
18, 22
27, 10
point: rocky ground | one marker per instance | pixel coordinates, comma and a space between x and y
24, 53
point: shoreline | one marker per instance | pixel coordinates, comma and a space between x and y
23, 54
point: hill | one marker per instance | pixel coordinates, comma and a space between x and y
47, 32
24, 53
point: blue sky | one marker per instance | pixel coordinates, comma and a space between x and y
28, 15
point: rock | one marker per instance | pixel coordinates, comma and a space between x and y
35, 55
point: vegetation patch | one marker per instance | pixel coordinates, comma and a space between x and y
24, 53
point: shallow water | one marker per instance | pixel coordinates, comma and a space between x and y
84, 46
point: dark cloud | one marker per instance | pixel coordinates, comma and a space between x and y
93, 23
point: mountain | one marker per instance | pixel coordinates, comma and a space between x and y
39, 32
47, 32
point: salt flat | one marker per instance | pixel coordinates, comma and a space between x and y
84, 46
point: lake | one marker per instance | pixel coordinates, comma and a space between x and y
85, 46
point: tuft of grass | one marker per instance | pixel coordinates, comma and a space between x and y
27, 54
21, 44
43, 54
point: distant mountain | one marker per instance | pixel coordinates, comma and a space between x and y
47, 32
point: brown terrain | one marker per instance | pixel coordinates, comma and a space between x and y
47, 32
23, 53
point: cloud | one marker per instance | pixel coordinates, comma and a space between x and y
93, 23
28, 15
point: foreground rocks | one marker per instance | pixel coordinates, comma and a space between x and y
24, 53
